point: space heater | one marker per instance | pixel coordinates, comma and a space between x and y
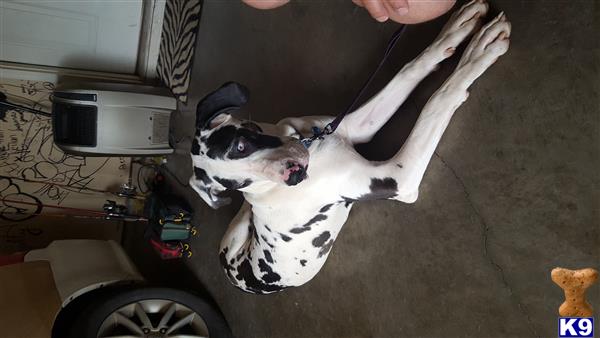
98, 122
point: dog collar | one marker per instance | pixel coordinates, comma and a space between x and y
317, 135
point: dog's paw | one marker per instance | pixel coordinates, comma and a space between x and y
462, 23
487, 45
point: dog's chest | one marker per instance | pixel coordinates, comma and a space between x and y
302, 222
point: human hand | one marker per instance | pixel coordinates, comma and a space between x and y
405, 11
265, 4
381, 10
402, 11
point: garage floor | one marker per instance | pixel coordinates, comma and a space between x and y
512, 192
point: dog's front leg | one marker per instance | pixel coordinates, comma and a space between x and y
236, 244
362, 124
412, 159
244, 251
400, 177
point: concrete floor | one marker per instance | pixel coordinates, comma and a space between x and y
512, 192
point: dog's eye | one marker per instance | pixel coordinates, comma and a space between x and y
241, 146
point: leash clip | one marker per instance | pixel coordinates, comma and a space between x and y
306, 142
317, 135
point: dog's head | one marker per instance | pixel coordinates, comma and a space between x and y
228, 153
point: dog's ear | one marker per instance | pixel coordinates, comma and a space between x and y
230, 96
208, 189
218, 120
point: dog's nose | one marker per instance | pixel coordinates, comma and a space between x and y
296, 176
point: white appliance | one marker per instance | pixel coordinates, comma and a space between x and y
129, 121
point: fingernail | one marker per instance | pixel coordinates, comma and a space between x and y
402, 10
382, 18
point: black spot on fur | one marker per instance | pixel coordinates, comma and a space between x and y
317, 218
321, 239
267, 227
253, 142
223, 142
399, 166
195, 147
347, 201
299, 230
269, 276
219, 142
325, 208
303, 262
233, 184
268, 256
325, 248
228, 268
381, 189
307, 225
252, 230
263, 238
285, 238
239, 256
201, 175
253, 284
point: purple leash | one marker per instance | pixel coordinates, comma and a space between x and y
319, 133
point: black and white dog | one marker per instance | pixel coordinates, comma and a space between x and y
297, 199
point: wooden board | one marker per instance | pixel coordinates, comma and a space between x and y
29, 300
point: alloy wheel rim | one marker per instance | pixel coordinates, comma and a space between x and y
153, 318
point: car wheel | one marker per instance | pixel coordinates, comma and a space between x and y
150, 312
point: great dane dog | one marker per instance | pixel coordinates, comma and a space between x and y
298, 199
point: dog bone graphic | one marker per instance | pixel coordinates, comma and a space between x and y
574, 283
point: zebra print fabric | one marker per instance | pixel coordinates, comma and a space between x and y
178, 41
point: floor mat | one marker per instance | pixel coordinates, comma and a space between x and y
178, 41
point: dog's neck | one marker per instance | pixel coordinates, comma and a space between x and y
272, 201
258, 189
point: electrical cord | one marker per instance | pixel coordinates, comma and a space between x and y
138, 179
5, 106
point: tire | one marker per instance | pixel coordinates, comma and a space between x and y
89, 323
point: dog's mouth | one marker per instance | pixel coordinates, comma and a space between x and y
294, 172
